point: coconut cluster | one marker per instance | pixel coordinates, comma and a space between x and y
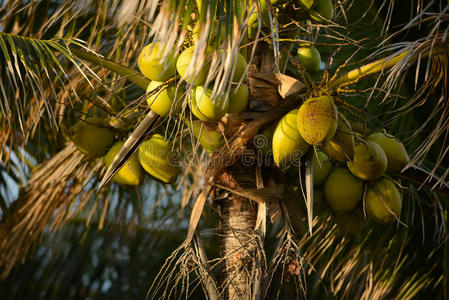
95, 138
348, 167
162, 66
172, 76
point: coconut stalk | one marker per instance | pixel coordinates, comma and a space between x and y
378, 66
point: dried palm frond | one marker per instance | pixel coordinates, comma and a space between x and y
54, 187
174, 278
287, 264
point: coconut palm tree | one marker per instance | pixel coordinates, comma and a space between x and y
247, 226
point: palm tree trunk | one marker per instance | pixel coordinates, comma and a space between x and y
238, 246
241, 246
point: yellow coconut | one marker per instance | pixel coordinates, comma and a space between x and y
156, 158
163, 101
397, 156
341, 147
208, 136
369, 162
92, 137
207, 107
192, 76
238, 99
156, 63
288, 144
343, 190
383, 201
317, 120
322, 166
130, 173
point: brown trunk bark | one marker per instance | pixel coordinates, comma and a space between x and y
241, 246
238, 246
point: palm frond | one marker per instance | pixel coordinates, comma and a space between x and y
431, 56
357, 262
42, 197
29, 73
430, 87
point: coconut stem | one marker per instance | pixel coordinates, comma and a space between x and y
130, 74
365, 70
376, 67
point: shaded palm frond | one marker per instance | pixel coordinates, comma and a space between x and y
430, 55
414, 11
429, 58
54, 186
356, 259
287, 265
63, 260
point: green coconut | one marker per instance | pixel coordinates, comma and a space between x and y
92, 137
343, 191
208, 136
131, 172
322, 166
397, 156
310, 58
264, 140
208, 107
239, 67
341, 146
163, 101
155, 158
288, 144
323, 11
192, 76
383, 201
238, 99
156, 63
369, 162
317, 120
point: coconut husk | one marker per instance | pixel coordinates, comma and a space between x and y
230, 124
285, 85
263, 90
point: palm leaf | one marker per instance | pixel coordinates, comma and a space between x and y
30, 71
